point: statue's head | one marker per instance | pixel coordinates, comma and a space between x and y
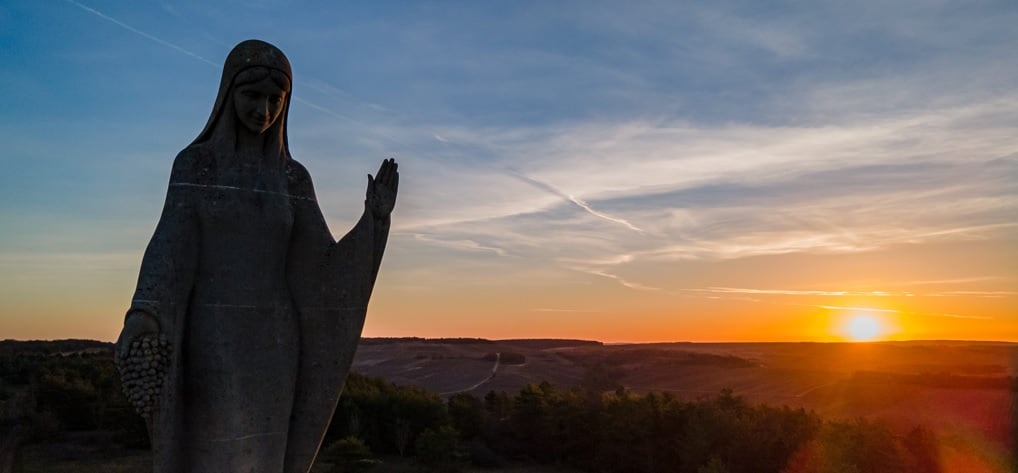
259, 95
254, 93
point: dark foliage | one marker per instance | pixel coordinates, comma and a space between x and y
66, 385
389, 418
625, 433
48, 390
348, 455
439, 451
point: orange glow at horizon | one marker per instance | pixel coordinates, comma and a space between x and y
813, 299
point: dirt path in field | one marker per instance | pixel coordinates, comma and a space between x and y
494, 371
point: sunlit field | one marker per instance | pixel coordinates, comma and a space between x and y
961, 391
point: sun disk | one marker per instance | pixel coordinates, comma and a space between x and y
863, 328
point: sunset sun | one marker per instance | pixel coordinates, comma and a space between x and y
864, 328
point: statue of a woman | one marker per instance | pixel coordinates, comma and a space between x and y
261, 308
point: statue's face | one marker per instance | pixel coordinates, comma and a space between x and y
259, 104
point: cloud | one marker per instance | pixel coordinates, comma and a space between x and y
141, 33
863, 309
621, 280
468, 245
786, 292
780, 38
583, 205
937, 282
959, 316
980, 293
741, 191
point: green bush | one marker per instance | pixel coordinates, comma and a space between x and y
438, 450
348, 455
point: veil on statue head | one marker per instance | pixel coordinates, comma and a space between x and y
246, 55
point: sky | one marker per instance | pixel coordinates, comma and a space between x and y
618, 171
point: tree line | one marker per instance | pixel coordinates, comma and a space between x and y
47, 392
617, 432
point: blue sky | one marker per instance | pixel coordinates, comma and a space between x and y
645, 152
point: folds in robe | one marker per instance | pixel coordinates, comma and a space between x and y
244, 278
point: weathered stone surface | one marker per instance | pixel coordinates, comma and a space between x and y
247, 312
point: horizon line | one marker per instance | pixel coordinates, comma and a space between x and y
658, 342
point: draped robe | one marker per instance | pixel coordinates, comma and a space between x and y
263, 308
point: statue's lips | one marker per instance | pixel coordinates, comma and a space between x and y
261, 122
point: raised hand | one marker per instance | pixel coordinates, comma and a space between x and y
381, 195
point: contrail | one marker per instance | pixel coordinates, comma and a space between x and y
139, 32
198, 57
595, 213
579, 203
327, 111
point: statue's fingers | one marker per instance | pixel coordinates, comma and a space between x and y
395, 182
393, 173
390, 168
388, 175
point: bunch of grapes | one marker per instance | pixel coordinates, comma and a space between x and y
142, 369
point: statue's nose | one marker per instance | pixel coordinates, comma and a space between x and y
262, 110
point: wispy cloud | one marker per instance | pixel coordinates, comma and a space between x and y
720, 194
583, 205
894, 311
860, 309
938, 282
981, 293
959, 316
785, 292
621, 280
141, 33
469, 245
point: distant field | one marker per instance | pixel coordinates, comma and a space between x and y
958, 389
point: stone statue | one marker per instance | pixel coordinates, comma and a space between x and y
248, 312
